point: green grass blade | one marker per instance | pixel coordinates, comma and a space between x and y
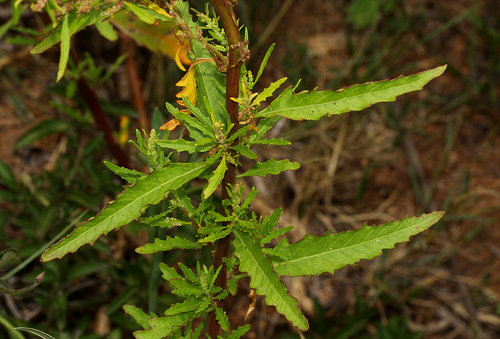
316, 255
128, 206
316, 104
265, 281
36, 332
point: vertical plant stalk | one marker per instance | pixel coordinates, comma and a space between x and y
225, 11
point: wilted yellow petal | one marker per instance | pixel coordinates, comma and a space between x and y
188, 84
177, 59
171, 125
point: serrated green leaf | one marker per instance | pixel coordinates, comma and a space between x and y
270, 222
215, 180
43, 129
164, 326
163, 220
186, 306
139, 316
75, 23
197, 130
265, 281
272, 166
106, 30
316, 104
274, 234
169, 272
185, 289
266, 93
128, 206
34, 331
221, 317
232, 284
182, 145
216, 236
263, 126
166, 245
236, 334
244, 150
316, 255
126, 174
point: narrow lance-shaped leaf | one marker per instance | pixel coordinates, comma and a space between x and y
76, 21
215, 180
272, 166
168, 244
316, 104
65, 42
316, 255
128, 206
265, 281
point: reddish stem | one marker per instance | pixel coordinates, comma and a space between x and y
232, 90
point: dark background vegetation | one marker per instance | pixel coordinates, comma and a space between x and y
437, 149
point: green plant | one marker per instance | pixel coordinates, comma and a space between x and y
220, 117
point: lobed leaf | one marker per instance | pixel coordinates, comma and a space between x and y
126, 174
316, 255
128, 206
316, 104
186, 306
168, 244
265, 281
139, 316
272, 166
164, 326
221, 317
241, 330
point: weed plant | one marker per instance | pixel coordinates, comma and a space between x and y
222, 119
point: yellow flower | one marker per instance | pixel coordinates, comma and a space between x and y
188, 84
